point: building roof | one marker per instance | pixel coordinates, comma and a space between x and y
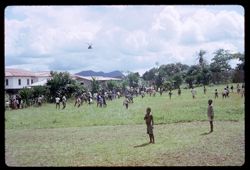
10, 72
97, 78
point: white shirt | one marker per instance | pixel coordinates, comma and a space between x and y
57, 99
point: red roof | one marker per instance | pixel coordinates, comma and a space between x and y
11, 72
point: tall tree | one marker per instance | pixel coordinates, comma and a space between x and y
220, 66
204, 76
61, 84
238, 75
149, 75
202, 61
26, 95
111, 85
193, 75
133, 79
177, 80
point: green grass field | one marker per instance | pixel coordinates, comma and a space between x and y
115, 136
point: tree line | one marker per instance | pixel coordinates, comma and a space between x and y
166, 76
217, 72
173, 75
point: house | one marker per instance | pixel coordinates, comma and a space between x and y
41, 78
86, 81
16, 79
42, 75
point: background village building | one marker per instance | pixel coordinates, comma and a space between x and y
42, 75
16, 79
87, 80
41, 78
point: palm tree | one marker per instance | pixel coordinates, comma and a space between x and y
201, 59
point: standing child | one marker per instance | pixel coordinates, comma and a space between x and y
179, 91
57, 102
193, 91
224, 93
104, 101
216, 94
39, 101
161, 90
238, 88
232, 88
210, 114
78, 101
205, 90
150, 123
64, 102
125, 102
170, 94
243, 91
142, 94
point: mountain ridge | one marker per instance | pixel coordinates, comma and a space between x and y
114, 74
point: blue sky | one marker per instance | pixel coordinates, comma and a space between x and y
125, 37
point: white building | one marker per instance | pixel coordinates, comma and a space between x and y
42, 75
16, 79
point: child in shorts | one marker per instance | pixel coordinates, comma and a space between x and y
210, 114
150, 123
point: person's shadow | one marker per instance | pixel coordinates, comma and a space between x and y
142, 145
206, 133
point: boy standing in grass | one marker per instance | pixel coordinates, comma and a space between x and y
193, 91
39, 101
179, 91
57, 102
64, 101
216, 94
170, 94
210, 114
125, 102
142, 94
150, 123
78, 101
205, 90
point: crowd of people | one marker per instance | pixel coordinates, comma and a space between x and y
101, 98
15, 101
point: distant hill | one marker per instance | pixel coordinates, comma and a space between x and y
114, 74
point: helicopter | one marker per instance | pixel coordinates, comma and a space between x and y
89, 46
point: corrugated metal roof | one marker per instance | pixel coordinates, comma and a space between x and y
10, 72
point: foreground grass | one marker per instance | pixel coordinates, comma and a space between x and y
179, 109
177, 144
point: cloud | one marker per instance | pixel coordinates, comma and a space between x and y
167, 24
205, 26
191, 32
123, 37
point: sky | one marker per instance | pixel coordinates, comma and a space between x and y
125, 37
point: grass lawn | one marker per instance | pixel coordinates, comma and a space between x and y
115, 136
